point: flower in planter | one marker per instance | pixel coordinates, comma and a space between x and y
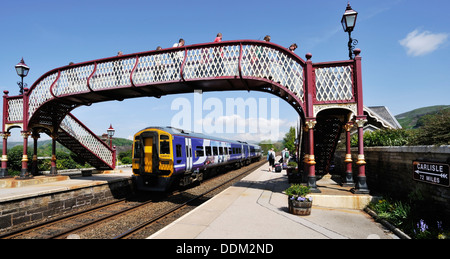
298, 203
292, 164
298, 192
308, 199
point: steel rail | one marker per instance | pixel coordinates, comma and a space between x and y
98, 220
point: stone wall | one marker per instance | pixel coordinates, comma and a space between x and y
389, 170
15, 213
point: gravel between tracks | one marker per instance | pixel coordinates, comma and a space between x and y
122, 223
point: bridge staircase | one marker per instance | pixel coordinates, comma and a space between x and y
79, 139
326, 136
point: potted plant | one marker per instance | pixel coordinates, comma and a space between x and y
299, 203
291, 166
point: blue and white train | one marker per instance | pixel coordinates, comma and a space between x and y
166, 156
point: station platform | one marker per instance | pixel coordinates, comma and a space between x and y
14, 189
257, 208
25, 201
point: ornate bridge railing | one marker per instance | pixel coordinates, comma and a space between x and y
14, 109
334, 83
233, 59
245, 64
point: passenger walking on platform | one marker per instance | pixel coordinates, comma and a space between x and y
271, 159
177, 57
285, 155
218, 56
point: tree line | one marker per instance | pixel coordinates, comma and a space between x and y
432, 129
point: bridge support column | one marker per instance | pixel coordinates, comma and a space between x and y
53, 170
34, 164
24, 172
4, 169
361, 185
310, 124
348, 179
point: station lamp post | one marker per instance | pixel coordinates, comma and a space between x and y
348, 24
111, 132
22, 71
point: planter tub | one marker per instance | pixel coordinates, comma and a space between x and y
301, 208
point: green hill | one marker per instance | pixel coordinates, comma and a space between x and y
45, 146
409, 120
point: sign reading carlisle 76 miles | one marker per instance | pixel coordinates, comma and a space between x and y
434, 173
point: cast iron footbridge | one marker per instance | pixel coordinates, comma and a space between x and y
329, 93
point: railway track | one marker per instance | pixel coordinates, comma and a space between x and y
136, 217
129, 233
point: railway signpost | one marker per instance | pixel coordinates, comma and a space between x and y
431, 172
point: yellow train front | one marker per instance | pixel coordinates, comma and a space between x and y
166, 156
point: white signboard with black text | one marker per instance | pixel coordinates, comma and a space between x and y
430, 172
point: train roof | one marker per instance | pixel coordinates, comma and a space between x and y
187, 133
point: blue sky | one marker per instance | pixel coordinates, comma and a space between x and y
405, 46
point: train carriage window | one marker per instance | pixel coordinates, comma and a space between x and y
199, 151
220, 150
178, 150
137, 149
164, 145
225, 150
208, 150
215, 152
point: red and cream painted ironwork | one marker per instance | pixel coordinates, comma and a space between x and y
239, 65
334, 81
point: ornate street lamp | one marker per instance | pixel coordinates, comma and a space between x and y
111, 132
22, 71
348, 24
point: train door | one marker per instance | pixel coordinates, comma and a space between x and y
188, 154
148, 153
